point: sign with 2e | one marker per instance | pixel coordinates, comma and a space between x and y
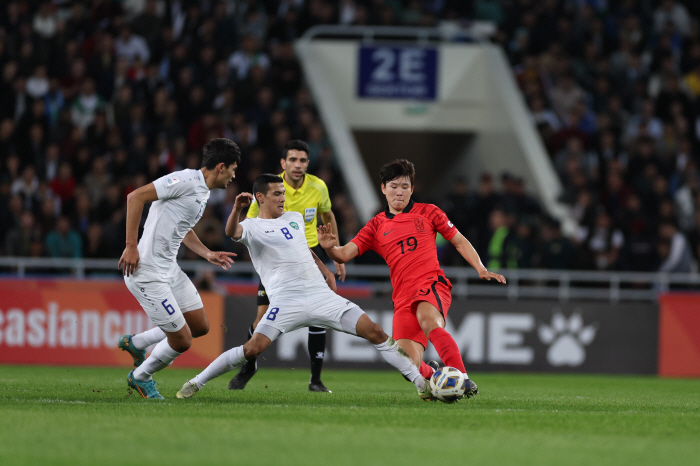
397, 72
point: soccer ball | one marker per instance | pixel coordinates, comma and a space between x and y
448, 384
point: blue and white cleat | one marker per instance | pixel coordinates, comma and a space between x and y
139, 355
147, 389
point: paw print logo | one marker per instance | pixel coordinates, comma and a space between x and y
567, 339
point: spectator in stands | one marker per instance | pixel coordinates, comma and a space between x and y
96, 246
557, 250
565, 95
18, 241
674, 250
86, 105
131, 46
672, 12
600, 243
500, 255
38, 83
64, 241
97, 181
26, 186
247, 57
485, 200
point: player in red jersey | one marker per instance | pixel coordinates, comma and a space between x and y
404, 235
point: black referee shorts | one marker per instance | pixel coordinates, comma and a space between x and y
263, 300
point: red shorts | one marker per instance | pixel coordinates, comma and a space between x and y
436, 291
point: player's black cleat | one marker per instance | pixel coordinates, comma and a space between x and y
433, 364
471, 389
318, 387
239, 381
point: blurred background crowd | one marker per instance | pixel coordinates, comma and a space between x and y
98, 98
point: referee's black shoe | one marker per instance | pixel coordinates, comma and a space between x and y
318, 387
239, 381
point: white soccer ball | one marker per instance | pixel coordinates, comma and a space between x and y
448, 384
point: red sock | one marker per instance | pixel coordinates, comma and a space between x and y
425, 370
447, 348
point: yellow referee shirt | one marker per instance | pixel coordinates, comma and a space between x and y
310, 199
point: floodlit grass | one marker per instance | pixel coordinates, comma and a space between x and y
81, 416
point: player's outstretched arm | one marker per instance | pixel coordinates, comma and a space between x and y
220, 258
327, 274
134, 208
233, 228
465, 248
328, 241
326, 218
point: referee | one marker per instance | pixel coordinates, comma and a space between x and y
307, 195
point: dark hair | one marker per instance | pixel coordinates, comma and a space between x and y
295, 144
262, 183
220, 150
399, 168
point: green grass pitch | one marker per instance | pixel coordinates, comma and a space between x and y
85, 416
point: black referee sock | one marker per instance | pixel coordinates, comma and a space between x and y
317, 350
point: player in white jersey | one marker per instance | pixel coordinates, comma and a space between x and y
293, 277
150, 269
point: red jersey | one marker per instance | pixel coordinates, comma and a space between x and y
406, 241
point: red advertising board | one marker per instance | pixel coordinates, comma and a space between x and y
70, 322
679, 335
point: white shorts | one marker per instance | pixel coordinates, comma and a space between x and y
164, 300
317, 308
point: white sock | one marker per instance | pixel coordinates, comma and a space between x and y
230, 360
150, 337
161, 357
397, 357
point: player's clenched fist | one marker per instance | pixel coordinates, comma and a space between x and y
242, 201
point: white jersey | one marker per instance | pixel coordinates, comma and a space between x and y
182, 198
280, 254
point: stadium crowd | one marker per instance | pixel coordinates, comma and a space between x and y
99, 98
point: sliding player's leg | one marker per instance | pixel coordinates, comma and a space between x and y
248, 370
228, 361
231, 360
327, 309
275, 322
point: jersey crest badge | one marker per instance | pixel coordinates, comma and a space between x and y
419, 224
449, 224
294, 225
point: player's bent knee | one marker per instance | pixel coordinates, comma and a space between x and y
180, 344
201, 330
181, 340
